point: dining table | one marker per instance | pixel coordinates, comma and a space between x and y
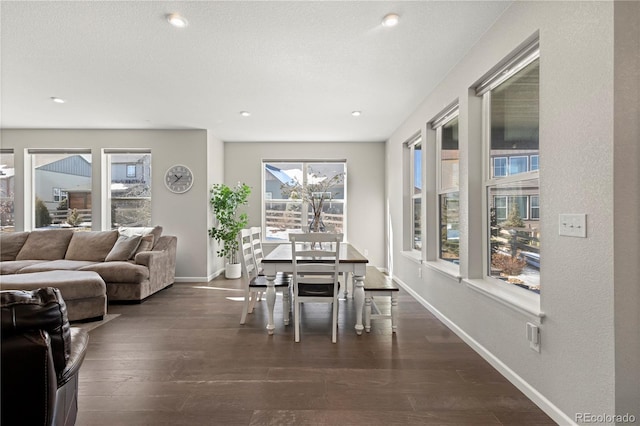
351, 262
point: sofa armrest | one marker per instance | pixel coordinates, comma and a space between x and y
161, 262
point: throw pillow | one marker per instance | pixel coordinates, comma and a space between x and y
11, 243
92, 246
124, 249
146, 244
49, 244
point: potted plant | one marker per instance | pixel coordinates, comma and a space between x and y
225, 202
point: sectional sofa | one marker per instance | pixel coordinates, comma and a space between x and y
133, 263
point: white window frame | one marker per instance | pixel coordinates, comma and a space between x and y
411, 214
8, 201
305, 163
450, 114
106, 183
30, 179
523, 58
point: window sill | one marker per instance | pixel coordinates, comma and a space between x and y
519, 300
445, 268
413, 255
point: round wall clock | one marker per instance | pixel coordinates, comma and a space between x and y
178, 179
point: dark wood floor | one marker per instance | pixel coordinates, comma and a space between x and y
182, 358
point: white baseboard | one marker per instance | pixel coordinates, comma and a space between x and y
199, 279
540, 400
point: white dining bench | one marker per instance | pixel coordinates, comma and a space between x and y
377, 284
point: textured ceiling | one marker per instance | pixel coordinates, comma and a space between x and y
299, 67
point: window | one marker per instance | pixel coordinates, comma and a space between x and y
499, 166
510, 105
446, 129
535, 207
517, 164
413, 182
129, 191
131, 170
61, 188
7, 190
294, 190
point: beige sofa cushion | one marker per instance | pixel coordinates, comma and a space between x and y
55, 265
124, 249
92, 246
119, 272
11, 243
9, 267
50, 244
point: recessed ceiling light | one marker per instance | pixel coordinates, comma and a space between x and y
391, 20
177, 20
245, 113
356, 113
57, 100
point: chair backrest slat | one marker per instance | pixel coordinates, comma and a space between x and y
246, 258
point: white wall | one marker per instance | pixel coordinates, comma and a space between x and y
574, 373
215, 160
179, 214
365, 183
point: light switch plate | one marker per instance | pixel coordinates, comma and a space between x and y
573, 225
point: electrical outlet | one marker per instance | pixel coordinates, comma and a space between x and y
419, 272
573, 225
366, 252
533, 336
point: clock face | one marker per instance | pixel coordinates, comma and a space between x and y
178, 179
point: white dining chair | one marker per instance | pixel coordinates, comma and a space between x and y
315, 259
255, 284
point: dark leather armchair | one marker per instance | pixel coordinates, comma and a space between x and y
41, 357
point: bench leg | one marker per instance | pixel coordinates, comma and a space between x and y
394, 311
358, 298
367, 312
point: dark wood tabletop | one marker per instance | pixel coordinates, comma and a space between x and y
282, 253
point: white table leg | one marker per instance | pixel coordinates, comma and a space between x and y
394, 311
358, 297
271, 302
286, 305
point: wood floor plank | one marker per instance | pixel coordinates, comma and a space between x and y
182, 358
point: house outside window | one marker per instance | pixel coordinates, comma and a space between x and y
448, 186
7, 190
128, 198
292, 189
511, 129
61, 188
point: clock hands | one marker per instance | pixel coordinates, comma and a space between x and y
177, 178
